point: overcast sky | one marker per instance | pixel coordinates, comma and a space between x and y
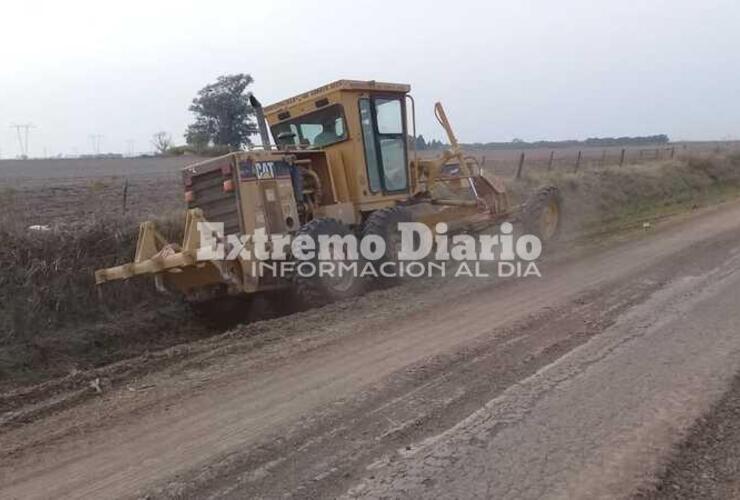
540, 69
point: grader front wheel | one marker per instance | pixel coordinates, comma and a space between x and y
541, 214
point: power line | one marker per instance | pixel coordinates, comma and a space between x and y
21, 130
95, 143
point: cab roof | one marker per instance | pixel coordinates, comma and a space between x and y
339, 85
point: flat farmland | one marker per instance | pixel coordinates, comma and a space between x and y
33, 171
69, 190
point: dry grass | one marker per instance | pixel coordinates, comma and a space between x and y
596, 198
47, 286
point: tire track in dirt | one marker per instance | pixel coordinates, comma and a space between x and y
598, 421
324, 453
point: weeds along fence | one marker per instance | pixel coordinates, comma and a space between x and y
569, 160
592, 198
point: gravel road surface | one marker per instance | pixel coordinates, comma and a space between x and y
578, 384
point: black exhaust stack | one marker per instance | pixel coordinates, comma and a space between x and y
261, 122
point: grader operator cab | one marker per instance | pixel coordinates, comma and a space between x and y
341, 163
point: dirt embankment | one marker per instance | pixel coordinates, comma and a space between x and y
706, 464
52, 321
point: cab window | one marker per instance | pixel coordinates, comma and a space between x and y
384, 143
314, 130
368, 138
389, 116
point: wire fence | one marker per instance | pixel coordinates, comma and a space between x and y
516, 165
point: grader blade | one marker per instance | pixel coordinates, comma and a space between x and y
155, 256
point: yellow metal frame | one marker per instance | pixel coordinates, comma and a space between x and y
155, 255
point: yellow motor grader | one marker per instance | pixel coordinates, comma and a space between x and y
341, 163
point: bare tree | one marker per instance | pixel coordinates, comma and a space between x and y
162, 142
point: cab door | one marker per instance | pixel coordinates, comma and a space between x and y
384, 139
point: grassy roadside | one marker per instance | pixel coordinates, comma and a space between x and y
52, 321
614, 199
635, 217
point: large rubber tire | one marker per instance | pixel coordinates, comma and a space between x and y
315, 291
541, 214
384, 223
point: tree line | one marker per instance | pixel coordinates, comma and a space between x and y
648, 140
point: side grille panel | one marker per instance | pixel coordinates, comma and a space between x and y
217, 205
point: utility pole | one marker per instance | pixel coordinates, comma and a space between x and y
130, 148
95, 143
21, 130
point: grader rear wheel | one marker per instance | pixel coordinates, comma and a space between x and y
384, 223
317, 290
541, 213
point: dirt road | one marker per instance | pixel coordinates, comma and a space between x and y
573, 385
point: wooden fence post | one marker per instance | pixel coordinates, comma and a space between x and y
125, 193
520, 167
549, 162
578, 162
673, 152
603, 157
482, 164
621, 157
